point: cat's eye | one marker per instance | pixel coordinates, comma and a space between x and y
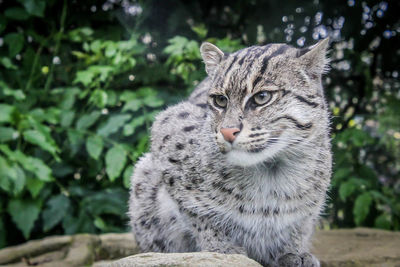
220, 101
262, 98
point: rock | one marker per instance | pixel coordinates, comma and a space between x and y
197, 259
34, 248
346, 247
77, 250
116, 246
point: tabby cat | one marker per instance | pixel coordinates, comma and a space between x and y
243, 165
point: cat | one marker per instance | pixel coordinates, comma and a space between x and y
243, 165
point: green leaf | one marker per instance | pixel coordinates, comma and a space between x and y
32, 164
132, 105
87, 120
115, 161
37, 138
41, 170
16, 13
113, 124
15, 42
349, 187
153, 102
24, 214
361, 207
133, 124
56, 209
19, 181
66, 118
200, 30
346, 189
5, 172
80, 34
75, 139
383, 221
99, 98
128, 96
18, 94
127, 176
109, 201
34, 186
82, 224
98, 73
43, 129
7, 63
94, 146
96, 46
84, 76
7, 134
100, 223
12, 177
68, 98
340, 174
34, 7
6, 112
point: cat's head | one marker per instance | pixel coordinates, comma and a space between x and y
265, 100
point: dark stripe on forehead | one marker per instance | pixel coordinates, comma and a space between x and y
232, 63
281, 50
255, 56
256, 81
249, 52
221, 77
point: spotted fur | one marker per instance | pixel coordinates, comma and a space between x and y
260, 195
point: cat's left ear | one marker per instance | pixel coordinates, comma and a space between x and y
212, 56
315, 59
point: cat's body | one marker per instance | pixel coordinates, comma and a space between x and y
257, 190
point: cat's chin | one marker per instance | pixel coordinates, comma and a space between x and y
246, 159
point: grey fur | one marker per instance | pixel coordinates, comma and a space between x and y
260, 196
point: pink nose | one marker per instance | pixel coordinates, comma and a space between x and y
229, 134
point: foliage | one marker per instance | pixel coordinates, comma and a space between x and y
80, 84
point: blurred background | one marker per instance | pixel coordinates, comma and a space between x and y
81, 82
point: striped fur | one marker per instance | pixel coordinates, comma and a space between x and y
262, 194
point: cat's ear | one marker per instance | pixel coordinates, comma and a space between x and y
211, 55
315, 59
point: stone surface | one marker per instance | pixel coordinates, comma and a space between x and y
198, 259
346, 247
36, 248
357, 247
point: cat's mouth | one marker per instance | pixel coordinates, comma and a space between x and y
243, 156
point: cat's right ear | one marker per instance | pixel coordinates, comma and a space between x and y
212, 56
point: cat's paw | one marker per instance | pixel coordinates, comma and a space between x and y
290, 260
303, 260
309, 260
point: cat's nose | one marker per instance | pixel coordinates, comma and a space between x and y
229, 134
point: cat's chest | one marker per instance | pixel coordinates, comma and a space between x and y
252, 205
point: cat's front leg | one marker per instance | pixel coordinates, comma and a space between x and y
214, 241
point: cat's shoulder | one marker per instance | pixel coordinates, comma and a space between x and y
177, 127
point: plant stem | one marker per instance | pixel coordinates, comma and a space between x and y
34, 65
57, 47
